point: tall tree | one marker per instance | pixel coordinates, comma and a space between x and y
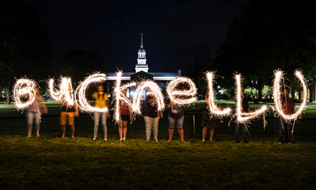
268, 35
25, 44
79, 63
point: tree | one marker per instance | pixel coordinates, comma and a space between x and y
268, 35
25, 48
79, 63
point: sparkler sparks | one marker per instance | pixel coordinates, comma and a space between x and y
243, 117
81, 91
119, 96
24, 88
65, 92
277, 95
212, 106
158, 95
175, 95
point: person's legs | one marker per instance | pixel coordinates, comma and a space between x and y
288, 130
96, 124
71, 120
148, 126
237, 132
180, 128
63, 121
105, 130
155, 128
120, 128
281, 125
244, 132
211, 133
172, 122
204, 131
124, 129
29, 121
37, 122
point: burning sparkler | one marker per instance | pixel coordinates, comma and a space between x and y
277, 95
81, 91
65, 92
24, 88
158, 95
243, 117
211, 105
175, 95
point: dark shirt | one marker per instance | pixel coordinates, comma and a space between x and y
288, 105
149, 109
176, 111
67, 108
245, 105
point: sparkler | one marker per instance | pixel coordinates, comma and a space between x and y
175, 95
24, 88
212, 106
65, 92
81, 91
277, 95
243, 117
155, 88
119, 96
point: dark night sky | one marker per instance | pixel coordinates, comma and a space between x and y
176, 32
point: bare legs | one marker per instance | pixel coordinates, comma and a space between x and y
204, 134
63, 131
180, 131
124, 125
29, 133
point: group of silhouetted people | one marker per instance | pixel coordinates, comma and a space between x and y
151, 116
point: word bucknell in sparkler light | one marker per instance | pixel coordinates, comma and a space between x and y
24, 88
243, 117
277, 95
211, 105
81, 93
65, 92
178, 96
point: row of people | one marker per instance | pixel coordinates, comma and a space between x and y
151, 117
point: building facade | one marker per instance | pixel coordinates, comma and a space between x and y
141, 73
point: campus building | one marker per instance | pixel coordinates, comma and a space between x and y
141, 73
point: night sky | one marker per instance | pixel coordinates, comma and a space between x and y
176, 32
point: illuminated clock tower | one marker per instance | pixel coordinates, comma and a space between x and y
141, 61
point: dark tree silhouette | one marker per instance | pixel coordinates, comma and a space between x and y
79, 63
25, 48
267, 35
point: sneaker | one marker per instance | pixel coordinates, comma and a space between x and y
94, 138
280, 142
105, 139
124, 139
237, 141
121, 139
245, 141
156, 140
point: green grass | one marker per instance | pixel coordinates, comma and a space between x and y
52, 163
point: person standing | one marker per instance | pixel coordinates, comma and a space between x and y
288, 105
68, 113
34, 113
101, 101
245, 108
125, 115
176, 118
151, 116
209, 121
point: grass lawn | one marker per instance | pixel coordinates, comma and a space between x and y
53, 163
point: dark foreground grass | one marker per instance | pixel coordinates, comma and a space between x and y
47, 162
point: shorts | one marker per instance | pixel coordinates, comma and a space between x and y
69, 115
125, 117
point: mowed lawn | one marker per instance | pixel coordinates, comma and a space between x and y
53, 163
